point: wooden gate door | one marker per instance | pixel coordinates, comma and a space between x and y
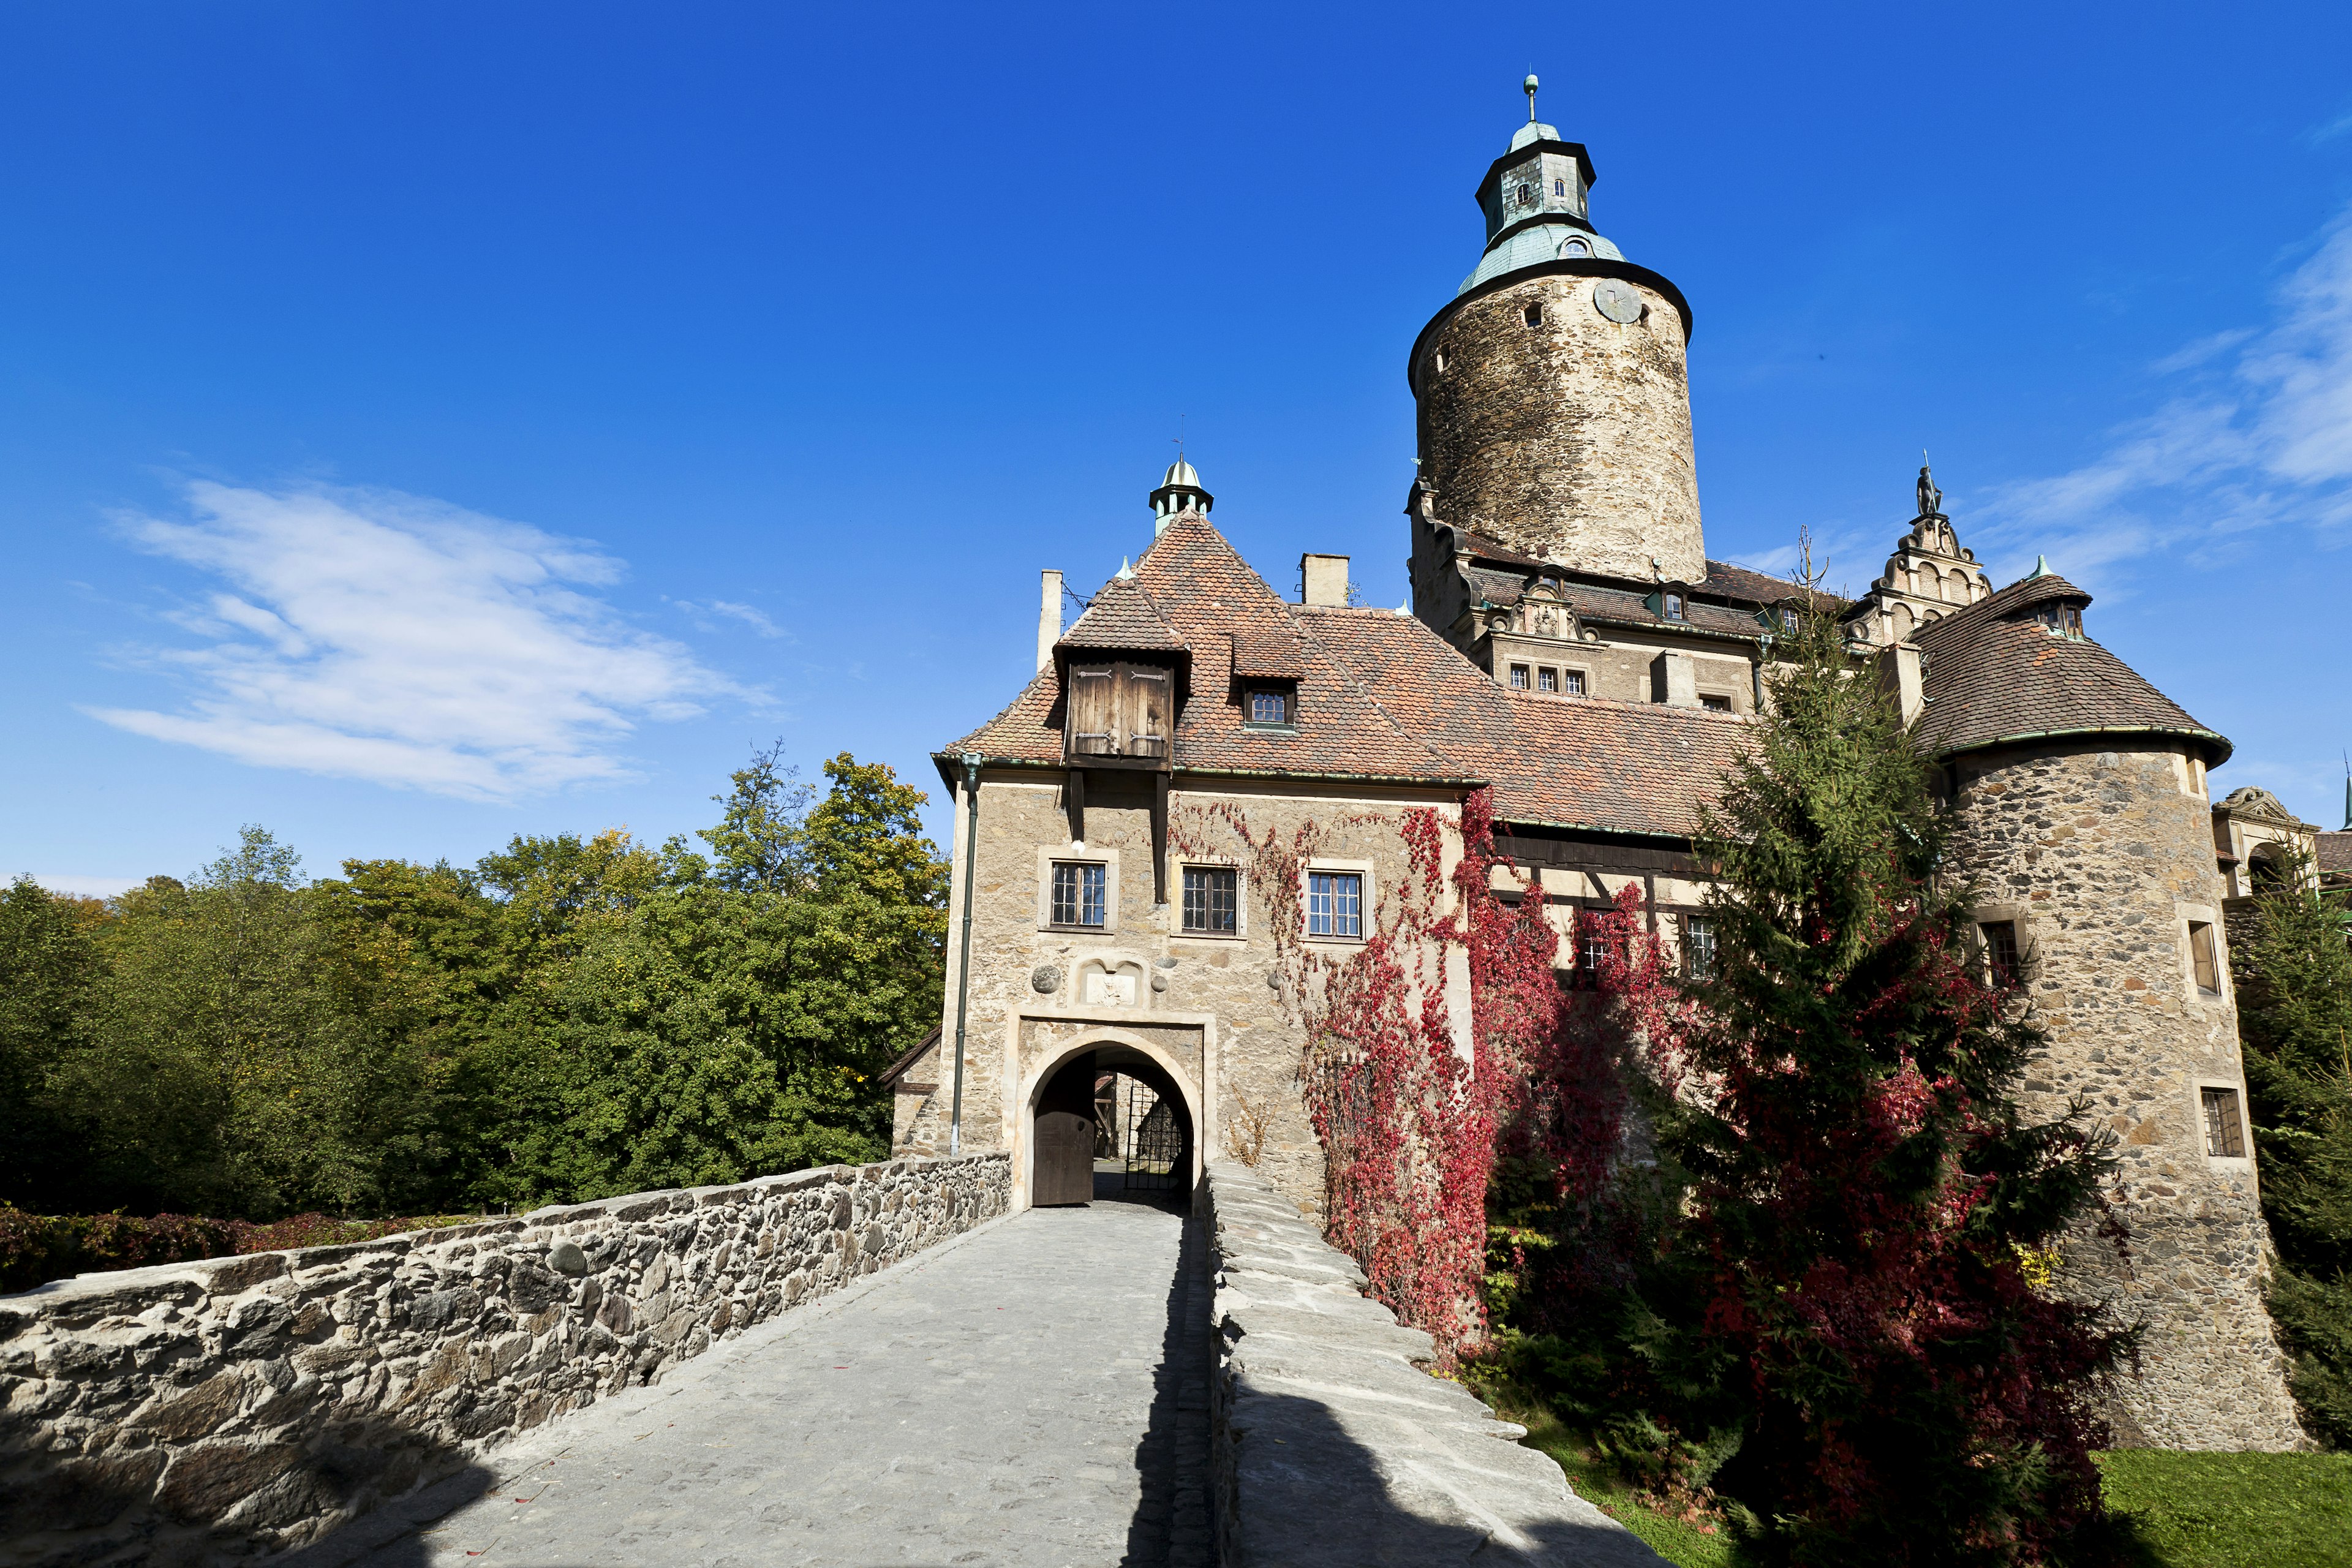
1062, 1170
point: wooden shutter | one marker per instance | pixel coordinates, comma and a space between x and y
1148, 701
1094, 711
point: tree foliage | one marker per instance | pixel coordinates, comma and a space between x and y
1866, 1198
570, 1017
2295, 1016
1784, 1228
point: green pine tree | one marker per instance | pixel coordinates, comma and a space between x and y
1868, 1200
2295, 1016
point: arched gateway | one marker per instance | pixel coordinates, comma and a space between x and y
1149, 1124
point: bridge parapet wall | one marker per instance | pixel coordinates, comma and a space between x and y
1330, 1447
246, 1404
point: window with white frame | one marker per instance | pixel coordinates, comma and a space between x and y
1334, 904
1080, 892
1698, 946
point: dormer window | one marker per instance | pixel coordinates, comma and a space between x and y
1119, 709
1674, 603
2061, 620
1787, 620
1573, 248
1269, 707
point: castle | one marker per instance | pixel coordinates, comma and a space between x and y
1570, 647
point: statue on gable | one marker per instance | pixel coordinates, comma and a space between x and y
1931, 499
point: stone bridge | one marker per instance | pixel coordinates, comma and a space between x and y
871, 1366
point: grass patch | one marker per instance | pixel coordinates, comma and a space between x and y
2235, 1510
1684, 1544
2195, 1511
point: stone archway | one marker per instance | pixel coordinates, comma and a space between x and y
1114, 1051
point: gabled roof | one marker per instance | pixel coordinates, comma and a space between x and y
1995, 677
1205, 598
1122, 618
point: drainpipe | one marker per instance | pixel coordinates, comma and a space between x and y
963, 970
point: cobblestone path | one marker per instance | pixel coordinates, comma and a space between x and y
1027, 1394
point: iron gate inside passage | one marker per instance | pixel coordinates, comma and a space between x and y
1154, 1142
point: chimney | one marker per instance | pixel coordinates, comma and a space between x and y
1049, 615
1902, 675
1326, 579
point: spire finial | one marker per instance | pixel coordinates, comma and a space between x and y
1529, 85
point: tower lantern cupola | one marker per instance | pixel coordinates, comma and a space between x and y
1179, 492
1554, 398
1535, 197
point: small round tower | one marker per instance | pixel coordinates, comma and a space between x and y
2083, 821
1554, 410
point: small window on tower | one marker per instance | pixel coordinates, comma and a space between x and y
1572, 682
1560, 187
1546, 680
2001, 952
1535, 315
1716, 704
2204, 959
1518, 678
2225, 1134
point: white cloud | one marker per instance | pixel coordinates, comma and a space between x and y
371, 634
2261, 435
757, 620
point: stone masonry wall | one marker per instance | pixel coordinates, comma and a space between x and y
2102, 858
1231, 995
1330, 1446
202, 1411
1569, 440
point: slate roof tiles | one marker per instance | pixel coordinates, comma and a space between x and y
1994, 675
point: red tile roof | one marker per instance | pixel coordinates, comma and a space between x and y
1380, 696
1122, 617
1207, 597
1565, 761
1995, 675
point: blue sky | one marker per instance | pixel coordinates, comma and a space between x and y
421, 424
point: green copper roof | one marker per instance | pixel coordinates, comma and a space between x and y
1535, 201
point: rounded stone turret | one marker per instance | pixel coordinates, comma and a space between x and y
2083, 821
1553, 400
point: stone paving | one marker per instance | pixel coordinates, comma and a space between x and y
1033, 1392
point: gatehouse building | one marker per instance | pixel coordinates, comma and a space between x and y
1208, 792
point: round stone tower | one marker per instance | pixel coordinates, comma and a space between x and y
2083, 821
1554, 407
